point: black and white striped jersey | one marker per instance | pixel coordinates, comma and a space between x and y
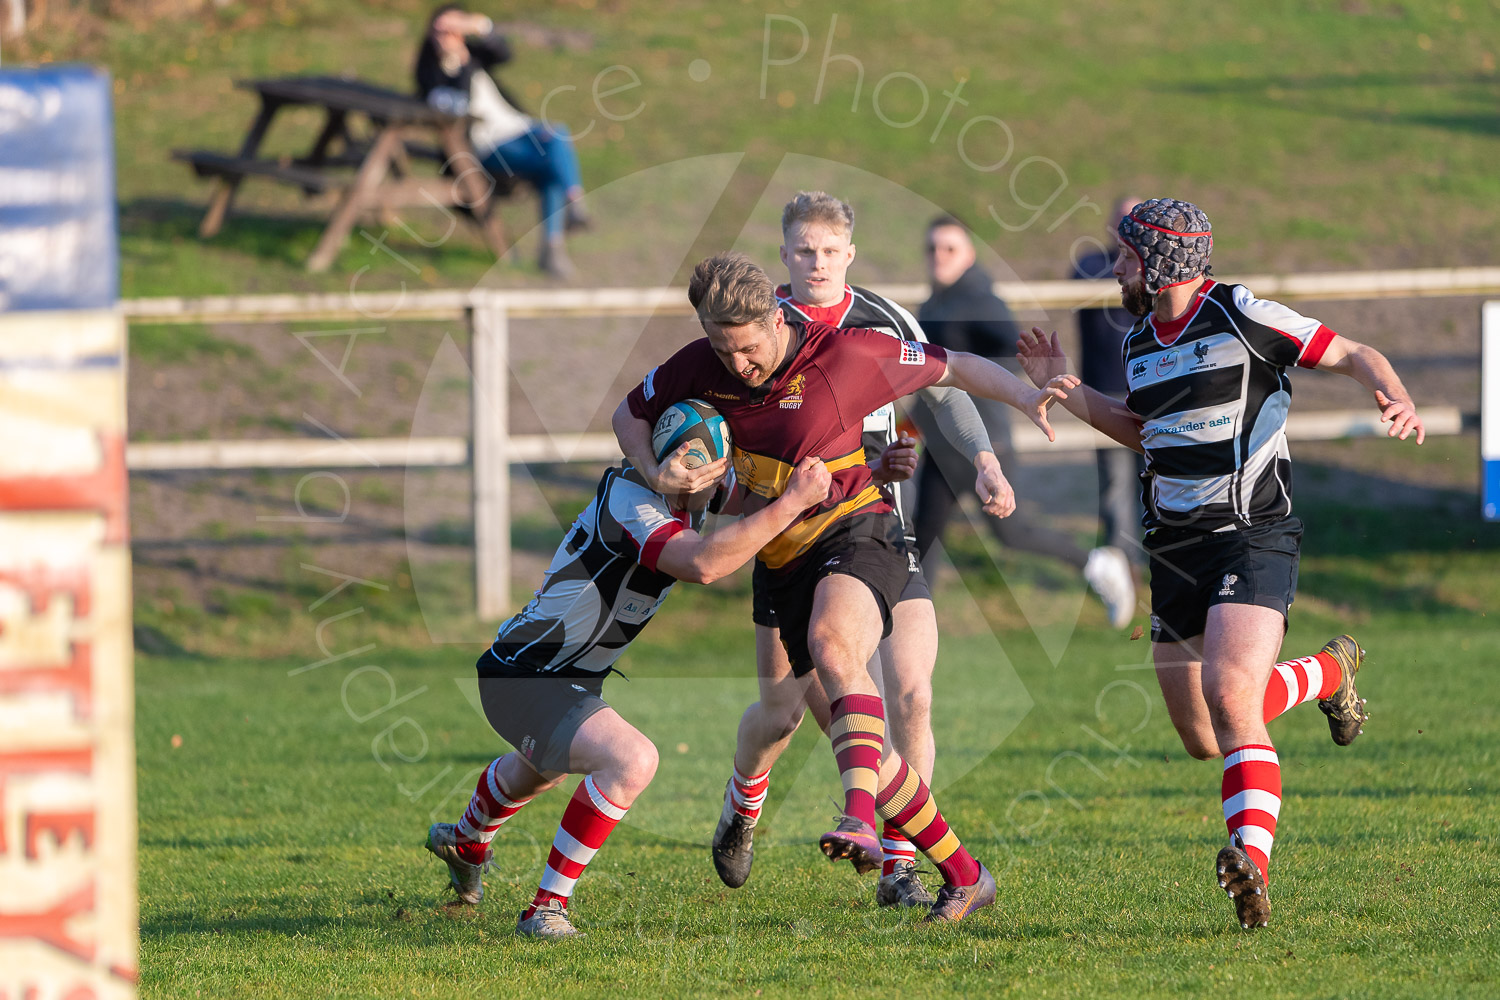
601, 589
1212, 391
862, 309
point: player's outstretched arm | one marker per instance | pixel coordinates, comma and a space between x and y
960, 423
671, 476
705, 558
1372, 370
1043, 361
982, 377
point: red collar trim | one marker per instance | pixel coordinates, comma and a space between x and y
832, 315
1167, 333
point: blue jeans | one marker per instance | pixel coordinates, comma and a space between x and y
544, 156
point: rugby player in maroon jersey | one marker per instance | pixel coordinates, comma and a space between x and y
790, 390
817, 229
1206, 365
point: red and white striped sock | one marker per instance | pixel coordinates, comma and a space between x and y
1296, 681
488, 810
1252, 800
898, 850
588, 820
747, 796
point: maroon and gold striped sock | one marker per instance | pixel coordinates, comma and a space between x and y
909, 806
858, 735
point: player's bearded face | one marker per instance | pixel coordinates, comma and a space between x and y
751, 352
1133, 294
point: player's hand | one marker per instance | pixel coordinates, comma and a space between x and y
672, 476
810, 483
1041, 357
1056, 389
898, 462
994, 490
1401, 414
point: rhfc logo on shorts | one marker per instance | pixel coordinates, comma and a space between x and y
794, 389
1226, 588
913, 353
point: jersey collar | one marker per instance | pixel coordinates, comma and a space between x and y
832, 315
1167, 332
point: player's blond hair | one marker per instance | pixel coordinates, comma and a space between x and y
821, 207
729, 289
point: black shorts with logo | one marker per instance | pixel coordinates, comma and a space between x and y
1193, 570
538, 714
868, 547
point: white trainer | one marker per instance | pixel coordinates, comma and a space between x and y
1108, 573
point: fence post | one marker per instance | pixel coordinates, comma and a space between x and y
490, 344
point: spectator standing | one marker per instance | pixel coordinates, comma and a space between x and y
453, 74
1101, 332
964, 314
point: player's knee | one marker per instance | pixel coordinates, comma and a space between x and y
833, 651
1230, 708
637, 763
913, 704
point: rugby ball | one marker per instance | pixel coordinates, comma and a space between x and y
694, 421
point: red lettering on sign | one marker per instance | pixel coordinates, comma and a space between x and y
50, 925
75, 678
41, 582
18, 762
60, 825
102, 490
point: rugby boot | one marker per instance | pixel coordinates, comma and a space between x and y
903, 887
1345, 708
464, 878
734, 846
855, 840
1243, 883
550, 920
954, 902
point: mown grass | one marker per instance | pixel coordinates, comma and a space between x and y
1327, 134
279, 844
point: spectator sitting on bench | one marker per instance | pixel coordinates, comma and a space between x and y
453, 75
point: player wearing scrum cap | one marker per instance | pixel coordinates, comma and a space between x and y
541, 679
817, 231
793, 389
1206, 364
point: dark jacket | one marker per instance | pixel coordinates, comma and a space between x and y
969, 316
1101, 332
485, 53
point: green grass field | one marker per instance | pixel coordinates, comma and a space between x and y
280, 837
280, 842
1297, 125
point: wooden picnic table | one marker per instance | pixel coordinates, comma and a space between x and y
400, 127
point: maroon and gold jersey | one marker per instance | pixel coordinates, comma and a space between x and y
814, 404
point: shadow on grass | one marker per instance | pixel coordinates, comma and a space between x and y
164, 231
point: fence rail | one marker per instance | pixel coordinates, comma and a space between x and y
533, 303
491, 449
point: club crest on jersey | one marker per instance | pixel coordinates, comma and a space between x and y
913, 353
1200, 350
1226, 587
794, 389
1166, 363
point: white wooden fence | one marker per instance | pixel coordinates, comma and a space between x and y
492, 449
